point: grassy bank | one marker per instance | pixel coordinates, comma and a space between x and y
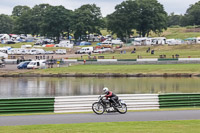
184, 51
123, 69
186, 126
177, 33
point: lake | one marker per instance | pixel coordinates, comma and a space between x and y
50, 87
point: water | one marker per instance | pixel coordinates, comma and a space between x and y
50, 87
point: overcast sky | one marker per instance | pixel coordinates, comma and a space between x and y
107, 6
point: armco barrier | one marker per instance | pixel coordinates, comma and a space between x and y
176, 59
84, 103
179, 100
26, 105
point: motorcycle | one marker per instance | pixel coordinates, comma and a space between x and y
105, 105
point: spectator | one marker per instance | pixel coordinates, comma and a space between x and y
152, 51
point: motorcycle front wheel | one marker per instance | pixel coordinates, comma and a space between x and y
98, 108
122, 109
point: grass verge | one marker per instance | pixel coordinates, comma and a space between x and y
124, 69
168, 109
184, 126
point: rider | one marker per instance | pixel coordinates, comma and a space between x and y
111, 95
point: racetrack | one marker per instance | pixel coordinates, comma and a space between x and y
91, 117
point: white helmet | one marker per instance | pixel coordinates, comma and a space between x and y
105, 90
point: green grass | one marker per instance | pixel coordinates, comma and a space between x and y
17, 45
182, 50
179, 33
166, 109
184, 126
124, 69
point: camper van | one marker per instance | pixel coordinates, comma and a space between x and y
65, 43
3, 50
3, 55
144, 41
61, 51
84, 50
38, 64
158, 41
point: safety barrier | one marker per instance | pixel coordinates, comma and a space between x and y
84, 103
26, 105
135, 60
179, 100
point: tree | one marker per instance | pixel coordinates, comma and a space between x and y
56, 21
23, 23
143, 15
152, 17
86, 20
37, 16
124, 19
174, 20
6, 24
192, 15
22, 19
19, 10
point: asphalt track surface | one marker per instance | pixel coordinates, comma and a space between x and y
91, 117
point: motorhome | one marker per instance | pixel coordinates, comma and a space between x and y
85, 50
117, 42
35, 51
94, 38
37, 64
61, 51
3, 55
158, 41
198, 40
26, 46
3, 50
174, 41
16, 51
144, 41
65, 43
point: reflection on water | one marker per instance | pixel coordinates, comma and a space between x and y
50, 87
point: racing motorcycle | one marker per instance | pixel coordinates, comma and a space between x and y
104, 105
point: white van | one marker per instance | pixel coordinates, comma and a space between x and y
85, 50
61, 51
38, 64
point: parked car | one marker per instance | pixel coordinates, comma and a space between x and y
23, 65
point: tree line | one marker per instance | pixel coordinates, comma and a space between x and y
141, 16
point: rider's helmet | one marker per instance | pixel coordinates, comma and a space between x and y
105, 90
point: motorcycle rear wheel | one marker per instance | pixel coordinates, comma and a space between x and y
98, 108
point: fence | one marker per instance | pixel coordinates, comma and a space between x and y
26, 105
83, 103
179, 100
